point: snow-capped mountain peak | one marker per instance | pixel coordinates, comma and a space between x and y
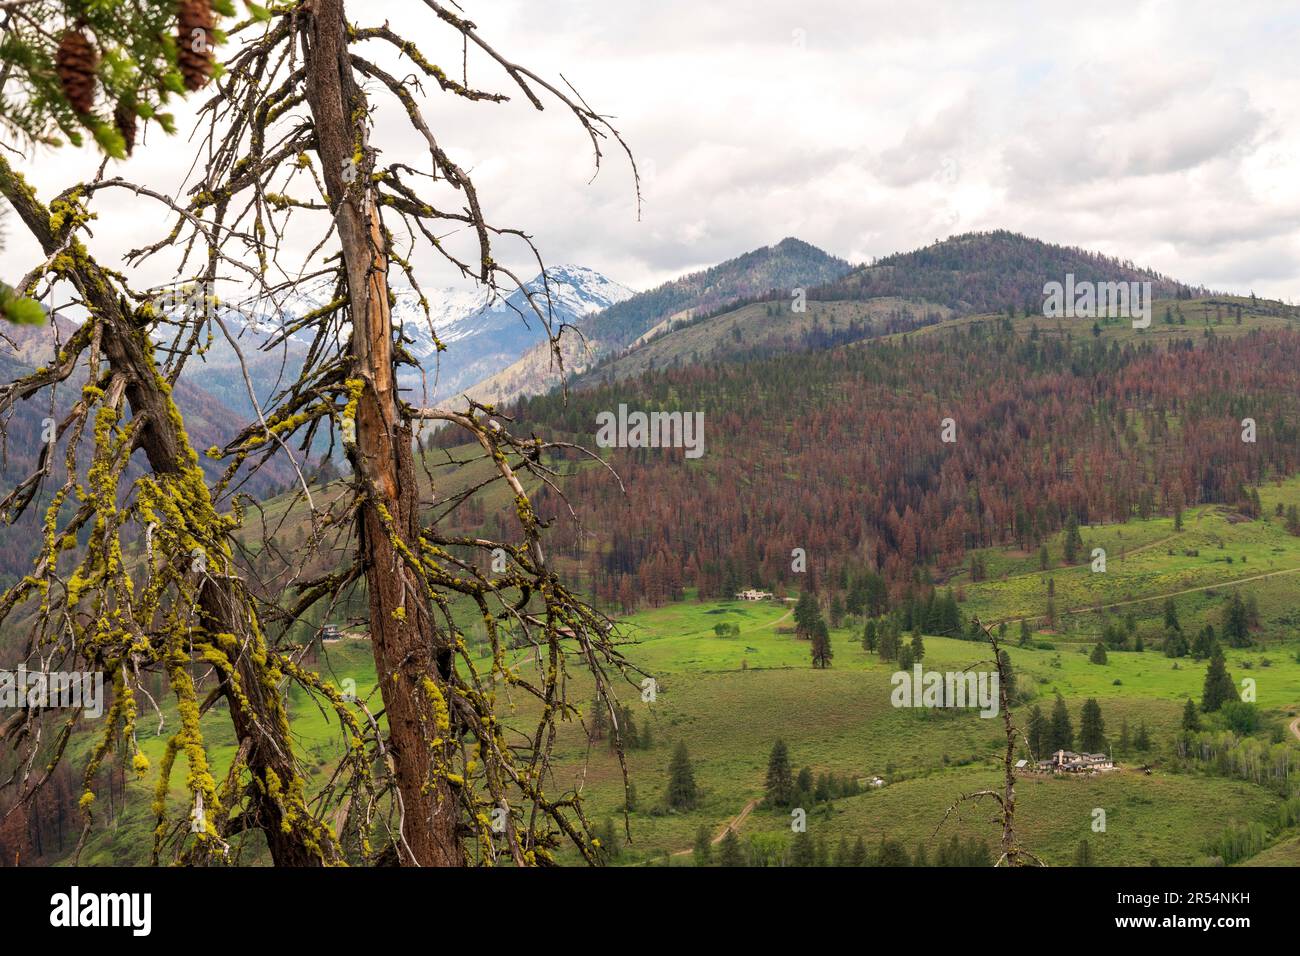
569, 293
482, 332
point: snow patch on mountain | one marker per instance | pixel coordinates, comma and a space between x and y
482, 331
569, 293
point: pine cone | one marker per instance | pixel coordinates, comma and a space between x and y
124, 118
194, 46
76, 61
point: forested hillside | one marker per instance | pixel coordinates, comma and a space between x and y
840, 452
989, 271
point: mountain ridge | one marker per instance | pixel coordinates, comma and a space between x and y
784, 265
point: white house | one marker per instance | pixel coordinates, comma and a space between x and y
1067, 761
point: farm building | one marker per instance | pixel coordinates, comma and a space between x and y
1067, 761
750, 594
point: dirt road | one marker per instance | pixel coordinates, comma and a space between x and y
733, 824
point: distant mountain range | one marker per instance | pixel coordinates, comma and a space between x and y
482, 334
969, 274
771, 272
495, 348
209, 420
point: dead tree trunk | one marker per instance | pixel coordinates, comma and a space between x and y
412, 659
257, 712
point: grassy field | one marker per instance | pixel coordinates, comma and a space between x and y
729, 698
1191, 317
1147, 562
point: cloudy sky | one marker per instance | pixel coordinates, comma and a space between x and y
1167, 133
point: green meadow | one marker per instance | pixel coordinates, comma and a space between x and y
729, 698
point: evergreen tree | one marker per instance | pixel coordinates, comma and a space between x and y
821, 645
804, 782
918, 648
730, 854
859, 855
608, 837
681, 793
1098, 655
599, 719
869, 637
889, 640
1073, 540
1219, 688
1010, 673
1142, 739
843, 853
1083, 854
1026, 635
856, 602
1092, 728
1039, 733
806, 614
626, 730
1204, 643
978, 854
780, 781
837, 611
802, 851
892, 853
947, 616
949, 854
822, 792
1236, 624
703, 850
1191, 719
1061, 735
1171, 615
877, 594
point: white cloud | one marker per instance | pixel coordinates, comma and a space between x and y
1165, 132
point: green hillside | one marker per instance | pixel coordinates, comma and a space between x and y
762, 327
